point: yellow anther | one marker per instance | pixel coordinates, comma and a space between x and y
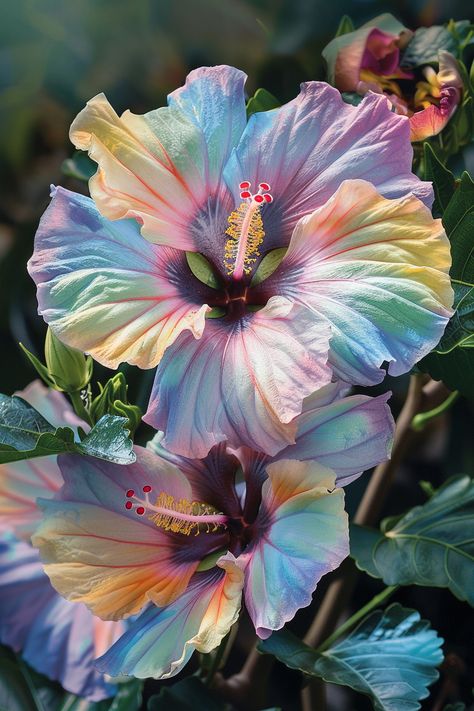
183, 516
246, 234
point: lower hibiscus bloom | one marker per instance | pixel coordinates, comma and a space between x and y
194, 536
56, 638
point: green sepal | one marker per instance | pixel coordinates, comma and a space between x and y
79, 166
203, 270
216, 312
38, 366
345, 26
270, 262
262, 100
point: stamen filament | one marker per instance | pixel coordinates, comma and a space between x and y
179, 516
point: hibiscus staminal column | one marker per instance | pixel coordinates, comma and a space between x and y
245, 231
178, 516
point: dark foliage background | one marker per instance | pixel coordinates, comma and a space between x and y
54, 55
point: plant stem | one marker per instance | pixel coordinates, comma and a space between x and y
79, 407
359, 615
420, 421
419, 397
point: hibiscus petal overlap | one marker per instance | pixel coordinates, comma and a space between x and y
303, 534
378, 271
104, 289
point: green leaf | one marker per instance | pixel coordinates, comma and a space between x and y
431, 545
453, 360
202, 269
15, 692
109, 440
80, 166
351, 97
443, 181
345, 26
262, 100
25, 434
190, 694
23, 689
270, 262
425, 44
391, 657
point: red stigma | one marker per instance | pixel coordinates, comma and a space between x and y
268, 198
244, 185
146, 489
128, 505
264, 186
140, 510
130, 493
245, 194
258, 198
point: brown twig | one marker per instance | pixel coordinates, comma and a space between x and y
422, 396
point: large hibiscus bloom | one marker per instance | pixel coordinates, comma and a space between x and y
181, 541
364, 280
55, 637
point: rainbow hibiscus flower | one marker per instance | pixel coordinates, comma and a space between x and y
55, 637
280, 253
181, 541
369, 59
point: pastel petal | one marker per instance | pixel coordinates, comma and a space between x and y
213, 99
212, 478
161, 641
98, 552
377, 270
347, 434
21, 483
56, 638
306, 149
163, 167
302, 535
243, 381
105, 290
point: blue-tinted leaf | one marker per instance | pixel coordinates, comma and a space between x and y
391, 656
431, 545
425, 44
25, 434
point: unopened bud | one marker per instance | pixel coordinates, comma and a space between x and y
113, 400
69, 369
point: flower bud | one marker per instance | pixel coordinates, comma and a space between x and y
112, 400
69, 370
